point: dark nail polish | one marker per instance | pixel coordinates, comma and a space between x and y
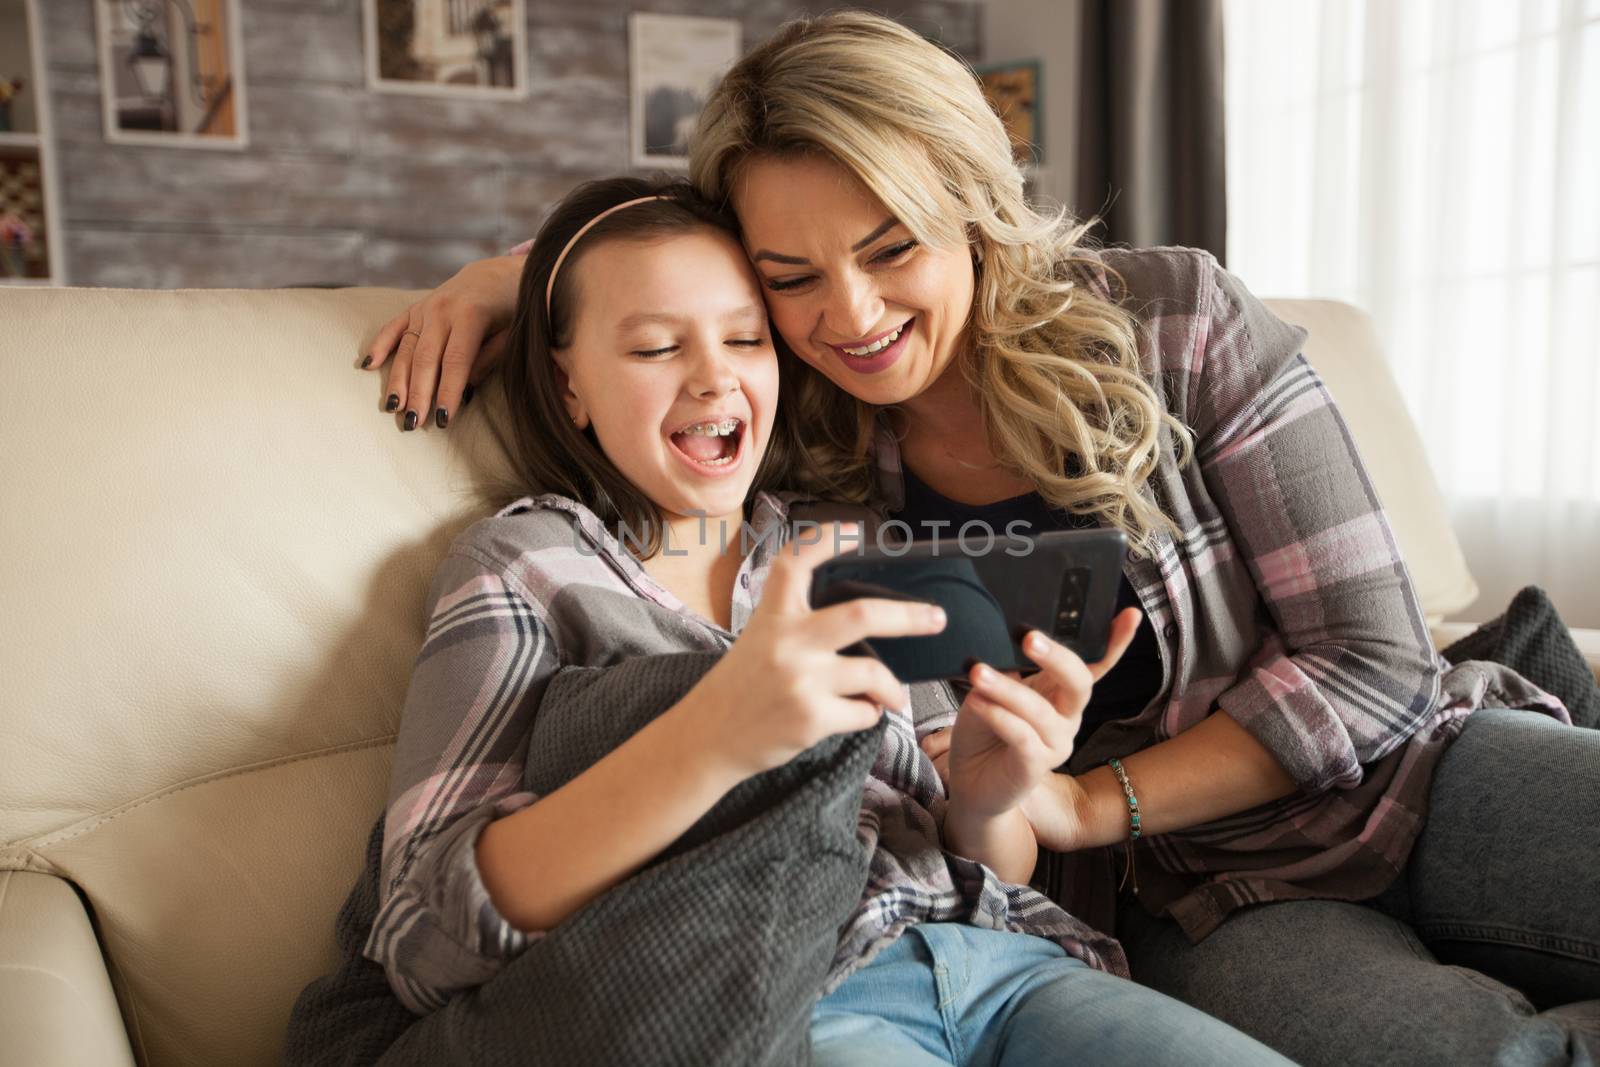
441, 418
411, 420
366, 361
466, 396
394, 402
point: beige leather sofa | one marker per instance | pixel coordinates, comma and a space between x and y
216, 551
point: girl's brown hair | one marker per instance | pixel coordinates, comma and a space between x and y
547, 453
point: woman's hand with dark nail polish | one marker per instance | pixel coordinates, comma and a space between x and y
441, 418
366, 361
411, 420
392, 403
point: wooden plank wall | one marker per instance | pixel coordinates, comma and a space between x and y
345, 186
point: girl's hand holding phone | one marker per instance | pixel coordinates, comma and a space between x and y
783, 686
1011, 733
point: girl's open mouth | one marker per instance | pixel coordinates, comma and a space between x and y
878, 354
711, 447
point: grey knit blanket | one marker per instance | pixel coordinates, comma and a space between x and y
713, 954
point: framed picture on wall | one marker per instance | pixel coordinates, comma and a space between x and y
30, 229
447, 47
1015, 92
172, 73
674, 62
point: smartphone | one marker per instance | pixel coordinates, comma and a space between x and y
1063, 583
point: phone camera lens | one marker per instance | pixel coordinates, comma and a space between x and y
1069, 607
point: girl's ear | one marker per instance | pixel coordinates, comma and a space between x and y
576, 408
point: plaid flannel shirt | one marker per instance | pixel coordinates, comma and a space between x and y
1284, 602
543, 585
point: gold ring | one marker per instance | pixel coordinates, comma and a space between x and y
413, 333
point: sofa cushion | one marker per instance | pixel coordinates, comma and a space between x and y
216, 578
1530, 638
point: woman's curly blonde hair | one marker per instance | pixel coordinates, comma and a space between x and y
1055, 366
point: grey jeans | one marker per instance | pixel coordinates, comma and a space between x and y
1486, 950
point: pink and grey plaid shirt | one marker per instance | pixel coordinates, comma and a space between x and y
543, 585
1284, 602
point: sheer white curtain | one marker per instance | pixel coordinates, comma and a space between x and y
1437, 162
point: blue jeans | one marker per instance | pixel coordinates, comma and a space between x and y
1486, 950
945, 993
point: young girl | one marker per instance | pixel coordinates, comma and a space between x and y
642, 387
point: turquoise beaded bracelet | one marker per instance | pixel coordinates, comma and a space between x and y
1133, 801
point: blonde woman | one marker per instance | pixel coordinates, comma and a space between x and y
1246, 801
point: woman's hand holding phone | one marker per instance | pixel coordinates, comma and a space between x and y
1011, 733
783, 686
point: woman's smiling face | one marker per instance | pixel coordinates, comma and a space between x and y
848, 287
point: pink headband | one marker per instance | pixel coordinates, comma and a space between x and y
550, 286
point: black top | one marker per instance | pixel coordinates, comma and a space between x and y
1127, 687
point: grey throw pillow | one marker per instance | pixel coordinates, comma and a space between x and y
712, 956
1531, 639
